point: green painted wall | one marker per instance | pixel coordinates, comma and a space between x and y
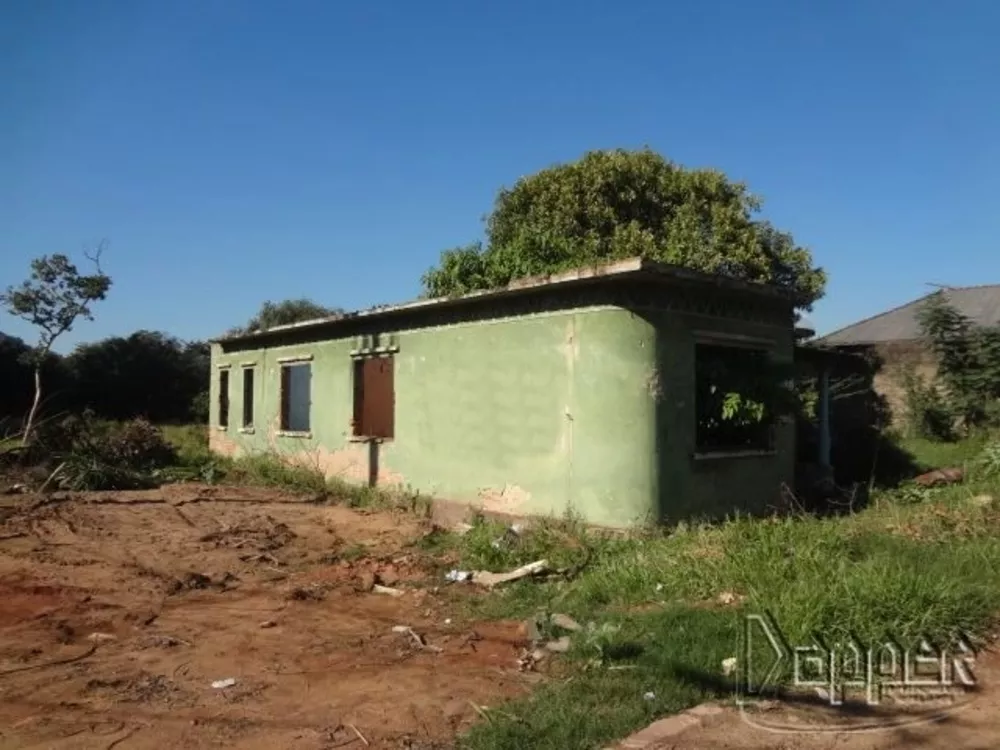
713, 487
531, 415
588, 409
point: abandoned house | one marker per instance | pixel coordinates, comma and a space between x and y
895, 338
599, 391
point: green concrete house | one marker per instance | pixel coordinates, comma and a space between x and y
584, 391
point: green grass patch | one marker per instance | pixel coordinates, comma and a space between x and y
190, 441
909, 566
937, 454
667, 663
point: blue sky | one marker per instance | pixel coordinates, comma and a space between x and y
233, 151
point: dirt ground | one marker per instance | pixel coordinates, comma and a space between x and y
972, 725
119, 610
964, 720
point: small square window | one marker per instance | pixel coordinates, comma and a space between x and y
296, 382
223, 398
734, 399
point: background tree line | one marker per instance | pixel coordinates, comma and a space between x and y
146, 374
149, 374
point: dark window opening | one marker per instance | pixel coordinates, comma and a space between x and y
734, 399
223, 398
295, 397
374, 397
248, 397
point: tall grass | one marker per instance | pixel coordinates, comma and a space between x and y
271, 470
915, 564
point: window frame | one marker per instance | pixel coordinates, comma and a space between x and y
247, 425
285, 366
767, 445
223, 405
361, 417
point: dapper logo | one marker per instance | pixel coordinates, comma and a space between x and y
869, 686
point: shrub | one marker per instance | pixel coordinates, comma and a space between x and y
927, 414
968, 358
101, 456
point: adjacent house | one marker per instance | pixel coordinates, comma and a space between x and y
895, 337
597, 391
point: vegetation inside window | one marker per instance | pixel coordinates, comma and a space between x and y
736, 398
295, 397
223, 398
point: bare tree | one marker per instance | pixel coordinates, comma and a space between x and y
52, 299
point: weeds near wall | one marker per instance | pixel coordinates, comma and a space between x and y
927, 413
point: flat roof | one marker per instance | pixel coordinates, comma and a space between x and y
630, 269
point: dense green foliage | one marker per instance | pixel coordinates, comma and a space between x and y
611, 205
146, 374
272, 314
967, 391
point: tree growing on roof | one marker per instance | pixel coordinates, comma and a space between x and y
272, 314
52, 299
612, 205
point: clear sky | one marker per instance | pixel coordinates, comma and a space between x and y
233, 151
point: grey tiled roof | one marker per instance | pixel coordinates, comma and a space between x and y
981, 304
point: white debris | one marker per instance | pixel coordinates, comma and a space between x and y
223, 684
729, 665
648, 696
458, 576
488, 579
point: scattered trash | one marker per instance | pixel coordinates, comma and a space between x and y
560, 645
659, 587
529, 659
100, 637
729, 665
365, 581
447, 621
387, 577
360, 736
940, 476
307, 593
268, 624
223, 684
387, 590
728, 597
529, 630
415, 637
458, 576
488, 579
165, 641
649, 696
565, 622
517, 528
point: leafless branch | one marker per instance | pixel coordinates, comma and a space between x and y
94, 256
